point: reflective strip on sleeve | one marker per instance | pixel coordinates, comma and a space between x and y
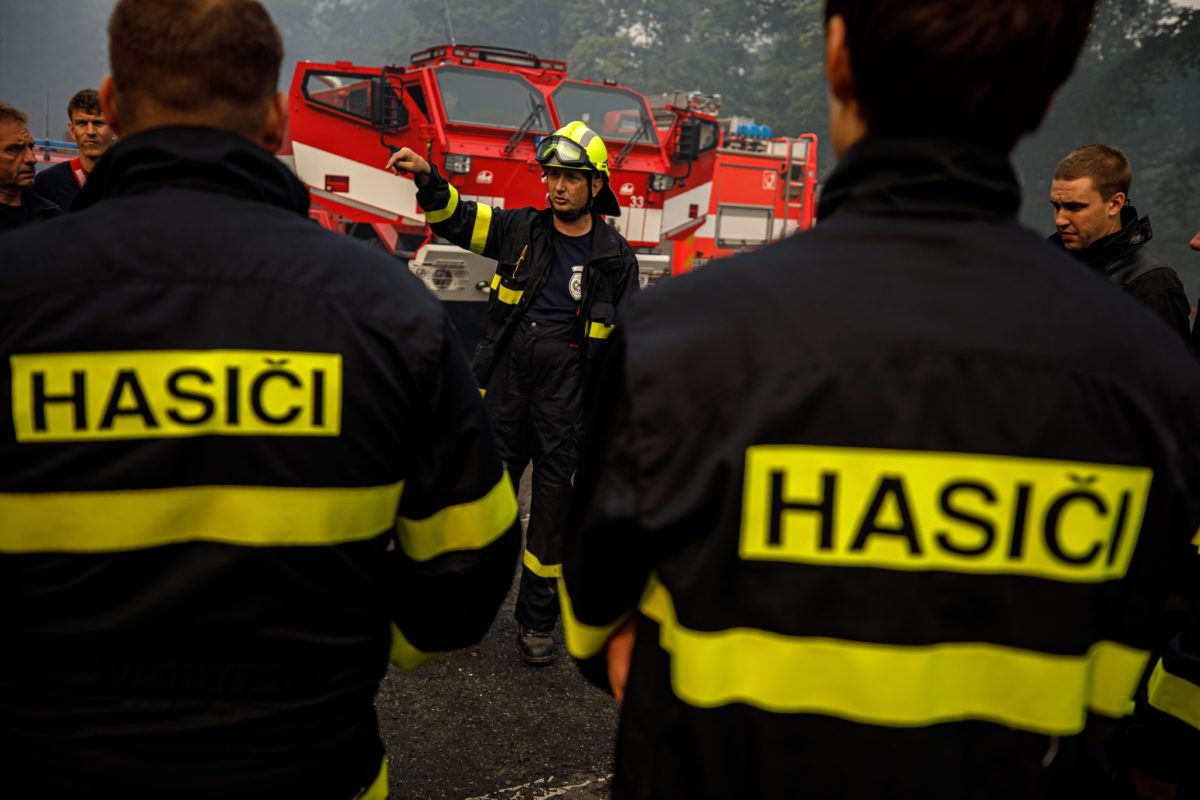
504, 294
584, 641
538, 568
598, 330
255, 516
443, 214
378, 790
404, 655
897, 686
483, 222
1175, 696
466, 526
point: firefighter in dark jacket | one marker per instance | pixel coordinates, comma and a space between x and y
923, 551
1096, 224
245, 461
561, 286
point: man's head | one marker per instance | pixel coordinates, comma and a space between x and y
575, 165
18, 160
1089, 190
88, 127
213, 63
979, 71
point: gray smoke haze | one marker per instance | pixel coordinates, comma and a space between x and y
1135, 87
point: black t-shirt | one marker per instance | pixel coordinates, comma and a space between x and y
15, 216
558, 301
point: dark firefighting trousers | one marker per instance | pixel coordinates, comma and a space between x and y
535, 399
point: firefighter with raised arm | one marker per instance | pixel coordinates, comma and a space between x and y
561, 286
905, 512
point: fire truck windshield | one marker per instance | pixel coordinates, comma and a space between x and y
616, 114
495, 99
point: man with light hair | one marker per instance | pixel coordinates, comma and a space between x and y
1096, 223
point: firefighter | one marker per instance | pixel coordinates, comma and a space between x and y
62, 182
922, 550
561, 286
245, 458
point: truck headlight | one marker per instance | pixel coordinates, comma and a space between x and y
458, 163
661, 183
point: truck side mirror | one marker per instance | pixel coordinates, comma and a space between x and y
687, 144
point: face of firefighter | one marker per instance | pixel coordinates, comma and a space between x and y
18, 161
91, 133
567, 191
1081, 215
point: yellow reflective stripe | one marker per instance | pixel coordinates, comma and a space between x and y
443, 214
583, 640
483, 221
378, 790
506, 295
598, 330
404, 655
1175, 696
540, 569
898, 686
255, 516
509, 296
466, 526
483, 392
1116, 670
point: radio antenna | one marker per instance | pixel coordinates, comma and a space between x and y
449, 27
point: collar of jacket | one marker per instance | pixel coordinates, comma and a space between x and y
1134, 233
206, 159
40, 205
606, 245
922, 177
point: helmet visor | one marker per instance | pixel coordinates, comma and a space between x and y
564, 151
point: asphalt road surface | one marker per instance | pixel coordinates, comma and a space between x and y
478, 724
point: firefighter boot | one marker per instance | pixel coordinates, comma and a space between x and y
537, 600
537, 647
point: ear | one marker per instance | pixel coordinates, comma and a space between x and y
1116, 203
275, 125
108, 105
837, 60
597, 185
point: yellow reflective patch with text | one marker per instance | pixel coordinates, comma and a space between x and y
957, 512
145, 394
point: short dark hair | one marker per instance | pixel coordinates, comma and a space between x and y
1107, 166
218, 59
85, 100
13, 114
982, 70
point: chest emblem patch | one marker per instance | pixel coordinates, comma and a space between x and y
576, 285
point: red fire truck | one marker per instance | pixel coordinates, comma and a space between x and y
478, 113
763, 189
